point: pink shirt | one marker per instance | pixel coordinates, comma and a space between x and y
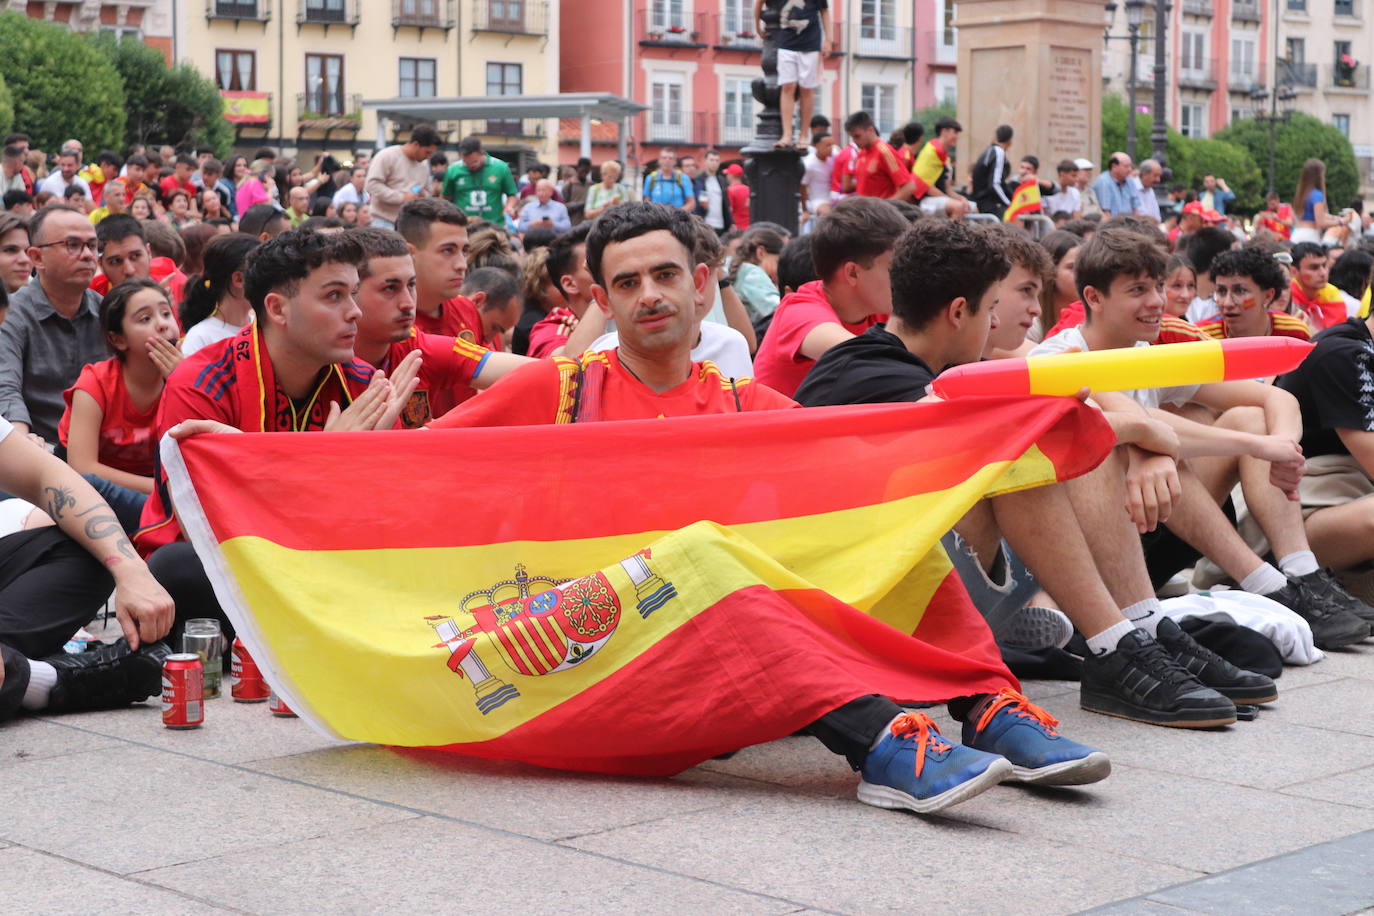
250, 193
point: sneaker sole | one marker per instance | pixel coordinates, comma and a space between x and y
1093, 768
1253, 698
1206, 718
1340, 642
888, 797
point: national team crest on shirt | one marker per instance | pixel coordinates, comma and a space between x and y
416, 413
555, 629
466, 334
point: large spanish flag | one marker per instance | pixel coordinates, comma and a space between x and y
629, 597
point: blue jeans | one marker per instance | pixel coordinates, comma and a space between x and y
127, 504
998, 601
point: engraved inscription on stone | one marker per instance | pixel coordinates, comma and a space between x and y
1069, 130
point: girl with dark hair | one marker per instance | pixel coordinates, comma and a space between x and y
110, 425
215, 306
754, 270
1060, 291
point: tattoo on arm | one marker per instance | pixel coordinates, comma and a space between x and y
59, 499
106, 525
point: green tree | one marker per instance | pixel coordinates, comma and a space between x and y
1301, 138
1114, 117
927, 117
6, 107
1229, 162
62, 86
174, 105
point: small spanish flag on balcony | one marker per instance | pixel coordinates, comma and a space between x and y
1025, 200
246, 107
623, 597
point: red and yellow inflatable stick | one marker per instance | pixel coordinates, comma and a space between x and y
1126, 369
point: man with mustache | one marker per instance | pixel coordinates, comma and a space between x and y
640, 257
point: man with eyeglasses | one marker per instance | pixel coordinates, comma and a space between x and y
53, 325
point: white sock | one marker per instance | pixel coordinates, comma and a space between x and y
1265, 580
1105, 642
42, 679
1144, 614
1299, 563
887, 730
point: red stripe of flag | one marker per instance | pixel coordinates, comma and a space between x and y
732, 469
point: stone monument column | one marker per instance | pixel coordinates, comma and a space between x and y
1036, 65
774, 174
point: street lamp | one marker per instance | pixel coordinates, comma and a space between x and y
1280, 110
1135, 14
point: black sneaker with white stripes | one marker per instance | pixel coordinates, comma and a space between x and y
1236, 684
1142, 681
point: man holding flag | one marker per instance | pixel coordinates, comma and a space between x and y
640, 256
1025, 196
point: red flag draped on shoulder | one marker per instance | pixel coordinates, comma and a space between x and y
639, 596
1026, 199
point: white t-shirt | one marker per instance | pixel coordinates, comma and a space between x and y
6, 427
816, 176
719, 343
349, 195
715, 202
203, 333
1072, 338
1201, 309
1066, 201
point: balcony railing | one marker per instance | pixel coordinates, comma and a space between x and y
889, 42
735, 33
1339, 76
328, 12
315, 111
1297, 73
660, 28
511, 17
736, 134
422, 14
937, 51
251, 10
1245, 10
687, 127
1197, 7
1201, 75
1247, 80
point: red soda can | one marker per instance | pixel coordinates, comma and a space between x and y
279, 708
183, 691
246, 683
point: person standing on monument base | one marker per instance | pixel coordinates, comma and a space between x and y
804, 37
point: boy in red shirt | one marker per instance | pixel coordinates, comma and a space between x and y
851, 248
567, 267
738, 194
437, 234
452, 369
181, 178
878, 172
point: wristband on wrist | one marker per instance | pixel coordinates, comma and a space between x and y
724, 283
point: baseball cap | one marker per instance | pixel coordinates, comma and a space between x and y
1084, 163
734, 169
1212, 216
1195, 207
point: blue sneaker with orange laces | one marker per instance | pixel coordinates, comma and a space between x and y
1007, 723
915, 768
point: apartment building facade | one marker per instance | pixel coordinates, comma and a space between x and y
1220, 53
693, 62
151, 21
294, 72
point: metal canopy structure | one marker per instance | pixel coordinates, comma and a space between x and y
602, 106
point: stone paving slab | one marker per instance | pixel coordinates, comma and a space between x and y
432, 865
1330, 879
26, 739
163, 809
1353, 788
834, 856
48, 884
536, 802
